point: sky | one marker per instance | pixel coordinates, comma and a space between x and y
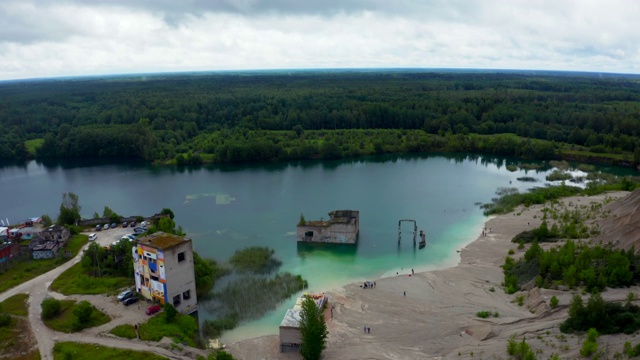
52, 38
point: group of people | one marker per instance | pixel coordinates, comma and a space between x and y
368, 284
367, 330
485, 231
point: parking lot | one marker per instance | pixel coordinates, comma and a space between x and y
108, 236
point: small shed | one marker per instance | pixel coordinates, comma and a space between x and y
290, 336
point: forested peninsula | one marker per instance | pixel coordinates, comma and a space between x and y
279, 116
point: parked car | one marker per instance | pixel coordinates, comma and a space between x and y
133, 224
144, 224
125, 295
114, 225
106, 226
98, 227
132, 236
93, 237
139, 230
124, 224
153, 309
131, 300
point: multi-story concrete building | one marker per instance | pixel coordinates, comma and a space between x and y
164, 270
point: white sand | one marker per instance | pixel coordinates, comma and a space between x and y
437, 317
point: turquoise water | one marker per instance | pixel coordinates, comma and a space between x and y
226, 208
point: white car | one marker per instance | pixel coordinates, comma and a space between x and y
93, 237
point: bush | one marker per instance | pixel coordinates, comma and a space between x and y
170, 313
590, 345
259, 260
483, 314
5, 320
50, 308
553, 302
83, 312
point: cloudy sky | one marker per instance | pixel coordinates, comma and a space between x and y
49, 38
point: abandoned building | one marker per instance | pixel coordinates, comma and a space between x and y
342, 227
164, 270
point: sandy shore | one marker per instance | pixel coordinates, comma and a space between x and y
436, 319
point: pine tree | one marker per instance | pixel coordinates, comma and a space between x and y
313, 330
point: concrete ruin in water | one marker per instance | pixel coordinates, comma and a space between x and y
342, 227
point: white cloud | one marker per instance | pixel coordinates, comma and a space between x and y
47, 38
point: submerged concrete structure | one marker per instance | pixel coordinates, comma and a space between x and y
342, 227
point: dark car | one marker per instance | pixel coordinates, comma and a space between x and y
153, 309
133, 224
139, 230
114, 225
129, 301
98, 227
124, 224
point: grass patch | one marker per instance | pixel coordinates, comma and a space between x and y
15, 335
255, 259
71, 350
16, 305
76, 281
33, 145
23, 271
124, 331
183, 330
75, 243
66, 321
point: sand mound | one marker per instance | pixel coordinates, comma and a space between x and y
622, 227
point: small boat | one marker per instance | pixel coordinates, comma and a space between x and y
423, 241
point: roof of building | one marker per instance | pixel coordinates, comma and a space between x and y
291, 318
48, 246
161, 240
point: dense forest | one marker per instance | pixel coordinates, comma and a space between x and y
275, 116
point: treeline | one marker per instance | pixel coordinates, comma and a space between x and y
161, 117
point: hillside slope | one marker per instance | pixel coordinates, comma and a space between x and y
622, 227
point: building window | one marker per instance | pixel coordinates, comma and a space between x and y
154, 278
186, 295
181, 256
176, 300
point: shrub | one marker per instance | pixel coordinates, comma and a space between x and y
5, 320
50, 308
590, 345
483, 314
553, 302
83, 312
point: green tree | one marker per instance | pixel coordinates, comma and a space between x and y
50, 308
110, 214
313, 330
166, 225
83, 312
590, 345
46, 220
167, 211
170, 313
69, 209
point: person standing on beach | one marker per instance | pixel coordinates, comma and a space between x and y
404, 293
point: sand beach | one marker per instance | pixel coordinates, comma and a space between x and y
432, 315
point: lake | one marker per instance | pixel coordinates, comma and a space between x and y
226, 208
